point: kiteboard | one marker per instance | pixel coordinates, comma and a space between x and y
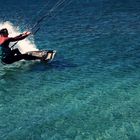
43, 55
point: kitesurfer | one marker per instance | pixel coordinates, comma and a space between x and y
12, 55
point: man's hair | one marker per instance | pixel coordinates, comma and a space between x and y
4, 31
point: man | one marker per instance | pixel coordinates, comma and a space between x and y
10, 56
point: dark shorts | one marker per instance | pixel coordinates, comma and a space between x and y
14, 56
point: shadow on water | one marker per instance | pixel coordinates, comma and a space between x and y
55, 65
9, 71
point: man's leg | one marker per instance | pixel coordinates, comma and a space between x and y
15, 52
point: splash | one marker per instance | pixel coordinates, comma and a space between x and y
24, 45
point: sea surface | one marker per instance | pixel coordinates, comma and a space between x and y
91, 90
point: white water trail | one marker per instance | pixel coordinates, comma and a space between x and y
23, 45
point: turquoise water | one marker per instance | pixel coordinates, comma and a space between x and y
91, 90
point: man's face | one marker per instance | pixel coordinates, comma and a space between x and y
5, 35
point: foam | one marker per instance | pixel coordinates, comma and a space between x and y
24, 45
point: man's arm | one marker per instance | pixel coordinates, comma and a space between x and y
19, 37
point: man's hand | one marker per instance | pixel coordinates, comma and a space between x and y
26, 33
